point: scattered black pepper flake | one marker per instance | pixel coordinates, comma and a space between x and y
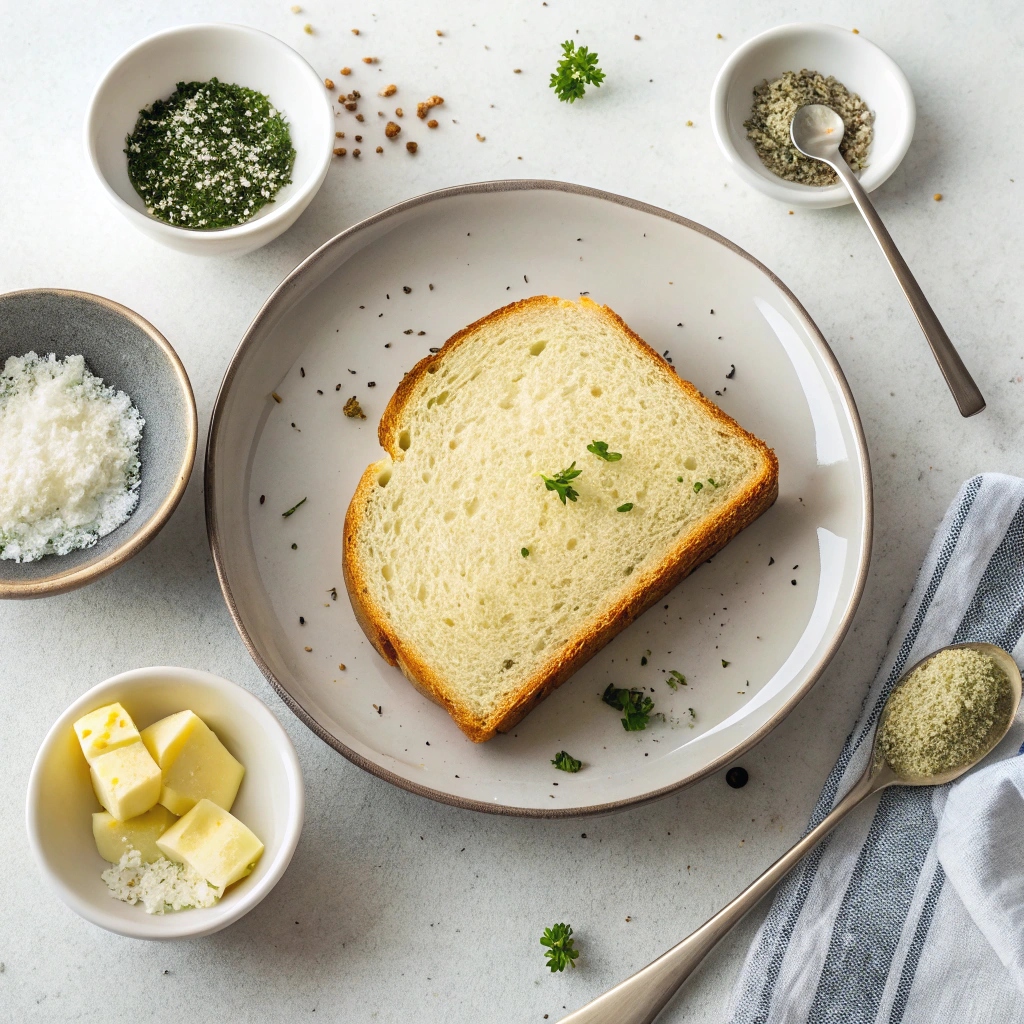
793, 582
295, 547
796, 567
420, 334
430, 286
334, 593
337, 387
263, 498
525, 279
643, 661
409, 331
371, 383
302, 372
435, 350
302, 621
737, 777
712, 312
387, 344
406, 289
771, 561
719, 393
732, 372
318, 391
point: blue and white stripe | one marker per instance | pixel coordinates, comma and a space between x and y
865, 930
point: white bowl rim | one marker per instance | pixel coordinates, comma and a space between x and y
255, 224
793, 192
172, 926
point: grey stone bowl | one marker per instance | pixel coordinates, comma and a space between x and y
132, 356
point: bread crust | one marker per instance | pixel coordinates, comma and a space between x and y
649, 588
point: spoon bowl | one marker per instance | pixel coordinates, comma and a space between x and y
998, 731
817, 131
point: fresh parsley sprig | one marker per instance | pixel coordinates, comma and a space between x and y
600, 449
560, 483
576, 70
565, 762
562, 951
632, 703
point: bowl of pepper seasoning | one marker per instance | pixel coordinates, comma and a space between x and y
211, 139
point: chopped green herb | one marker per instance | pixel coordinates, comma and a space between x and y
725, 664
285, 515
209, 156
627, 507
562, 951
679, 479
565, 762
600, 449
560, 483
334, 593
693, 717
675, 679
712, 482
525, 552
697, 487
632, 703
576, 70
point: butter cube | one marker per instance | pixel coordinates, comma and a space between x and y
214, 843
164, 739
127, 781
104, 730
114, 838
195, 764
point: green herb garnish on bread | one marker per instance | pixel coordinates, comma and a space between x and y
436, 531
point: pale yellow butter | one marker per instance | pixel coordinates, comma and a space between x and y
127, 781
214, 843
104, 730
195, 764
115, 838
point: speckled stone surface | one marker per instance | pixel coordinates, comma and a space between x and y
396, 909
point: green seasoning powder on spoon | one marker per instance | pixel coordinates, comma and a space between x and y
210, 156
945, 713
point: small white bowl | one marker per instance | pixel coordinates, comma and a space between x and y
61, 801
860, 65
151, 69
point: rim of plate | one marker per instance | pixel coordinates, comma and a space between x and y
279, 295
61, 581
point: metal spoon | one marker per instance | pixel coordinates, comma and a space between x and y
817, 131
639, 999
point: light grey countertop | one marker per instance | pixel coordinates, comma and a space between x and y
395, 908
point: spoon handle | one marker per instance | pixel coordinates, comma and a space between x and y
639, 999
966, 393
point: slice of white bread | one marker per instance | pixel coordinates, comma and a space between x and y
436, 531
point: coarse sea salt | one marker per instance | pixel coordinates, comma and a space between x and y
69, 457
159, 886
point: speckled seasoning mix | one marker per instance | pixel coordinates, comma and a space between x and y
210, 156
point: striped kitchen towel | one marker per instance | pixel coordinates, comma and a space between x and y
881, 924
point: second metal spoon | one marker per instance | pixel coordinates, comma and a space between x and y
639, 999
817, 131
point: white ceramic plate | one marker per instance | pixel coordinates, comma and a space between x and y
352, 314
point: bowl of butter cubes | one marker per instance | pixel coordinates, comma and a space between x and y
165, 803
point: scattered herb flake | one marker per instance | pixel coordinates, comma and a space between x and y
525, 552
632, 703
285, 515
600, 449
627, 507
675, 679
697, 487
565, 762
562, 951
576, 70
725, 664
560, 483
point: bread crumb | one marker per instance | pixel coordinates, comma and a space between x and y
718, 35
353, 409
351, 105
339, 135
432, 123
517, 71
380, 149
856, 31
346, 71
399, 112
342, 667
422, 109
328, 83
637, 38
359, 117
359, 138
341, 151
937, 197
308, 29
355, 31
308, 650
439, 32
388, 90
391, 129
411, 146
296, 9
791, 213
355, 152
481, 138
369, 60
689, 124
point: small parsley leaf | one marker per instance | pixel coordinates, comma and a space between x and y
565, 762
525, 552
628, 507
576, 70
698, 487
285, 515
675, 679
560, 483
561, 945
632, 703
725, 664
600, 449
